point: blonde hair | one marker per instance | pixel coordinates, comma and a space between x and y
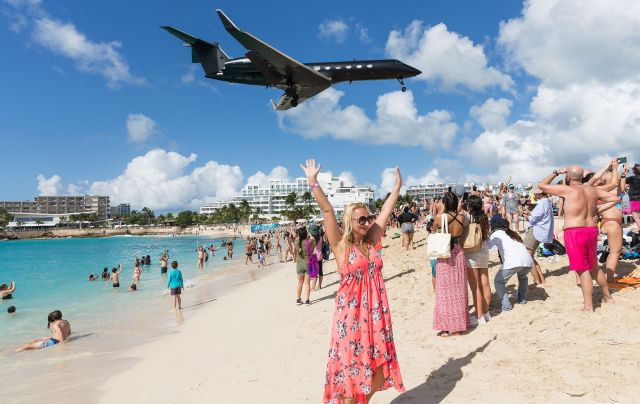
347, 221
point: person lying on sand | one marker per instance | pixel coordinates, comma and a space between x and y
60, 332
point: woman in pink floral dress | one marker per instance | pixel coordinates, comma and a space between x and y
362, 354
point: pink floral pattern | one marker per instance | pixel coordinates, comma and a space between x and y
362, 335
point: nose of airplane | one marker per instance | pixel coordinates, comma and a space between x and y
414, 71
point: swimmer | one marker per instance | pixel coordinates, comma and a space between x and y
164, 262
11, 310
60, 332
105, 274
136, 271
6, 292
115, 278
93, 277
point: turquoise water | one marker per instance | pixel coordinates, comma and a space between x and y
53, 275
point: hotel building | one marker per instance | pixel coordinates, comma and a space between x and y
271, 198
49, 209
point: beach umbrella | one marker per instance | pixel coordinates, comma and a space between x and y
301, 221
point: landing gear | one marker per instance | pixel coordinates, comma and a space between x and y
401, 81
291, 92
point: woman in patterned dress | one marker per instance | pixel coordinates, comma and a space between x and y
450, 313
362, 355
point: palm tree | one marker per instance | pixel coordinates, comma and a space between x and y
245, 210
290, 200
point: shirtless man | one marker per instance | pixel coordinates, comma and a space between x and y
164, 262
608, 180
60, 331
580, 230
248, 249
115, 277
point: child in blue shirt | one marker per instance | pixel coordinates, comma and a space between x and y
175, 285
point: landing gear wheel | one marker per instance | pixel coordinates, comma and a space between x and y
294, 102
401, 81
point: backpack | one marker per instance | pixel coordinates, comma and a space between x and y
326, 250
556, 247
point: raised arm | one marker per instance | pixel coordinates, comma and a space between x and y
121, 269
623, 179
328, 215
546, 186
614, 179
600, 173
378, 227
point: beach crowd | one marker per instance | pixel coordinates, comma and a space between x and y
462, 228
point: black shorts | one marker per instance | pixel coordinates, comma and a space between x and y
176, 291
163, 270
116, 285
249, 254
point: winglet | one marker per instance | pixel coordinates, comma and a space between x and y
228, 24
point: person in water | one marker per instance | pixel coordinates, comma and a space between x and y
6, 292
115, 278
11, 310
93, 277
105, 274
60, 332
164, 262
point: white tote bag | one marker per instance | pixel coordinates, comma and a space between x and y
439, 244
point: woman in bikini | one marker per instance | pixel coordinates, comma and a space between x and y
610, 217
362, 355
450, 312
6, 292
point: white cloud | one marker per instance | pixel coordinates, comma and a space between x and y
49, 186
333, 29
387, 181
493, 114
396, 117
262, 179
349, 178
140, 127
101, 58
161, 180
363, 33
568, 41
189, 78
445, 57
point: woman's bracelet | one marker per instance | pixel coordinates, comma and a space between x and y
316, 185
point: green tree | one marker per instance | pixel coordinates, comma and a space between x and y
185, 218
147, 215
290, 200
245, 210
5, 217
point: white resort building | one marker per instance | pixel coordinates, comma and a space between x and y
271, 198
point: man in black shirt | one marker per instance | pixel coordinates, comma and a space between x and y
634, 193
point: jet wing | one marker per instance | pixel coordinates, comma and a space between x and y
278, 61
304, 93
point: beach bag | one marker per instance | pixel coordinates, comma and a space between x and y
471, 239
314, 267
556, 247
439, 244
326, 250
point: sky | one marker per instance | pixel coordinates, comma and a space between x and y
95, 98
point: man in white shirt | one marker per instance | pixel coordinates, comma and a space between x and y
540, 231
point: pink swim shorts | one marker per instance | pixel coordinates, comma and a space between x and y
634, 206
581, 244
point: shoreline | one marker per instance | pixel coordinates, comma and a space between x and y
135, 231
93, 354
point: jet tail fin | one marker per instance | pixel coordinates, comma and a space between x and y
209, 55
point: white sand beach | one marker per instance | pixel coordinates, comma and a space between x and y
255, 345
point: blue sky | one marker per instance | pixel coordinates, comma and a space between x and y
96, 98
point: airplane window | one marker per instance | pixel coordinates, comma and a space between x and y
369, 66
316, 68
359, 66
338, 67
327, 67
349, 67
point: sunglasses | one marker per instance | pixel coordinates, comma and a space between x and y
362, 220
